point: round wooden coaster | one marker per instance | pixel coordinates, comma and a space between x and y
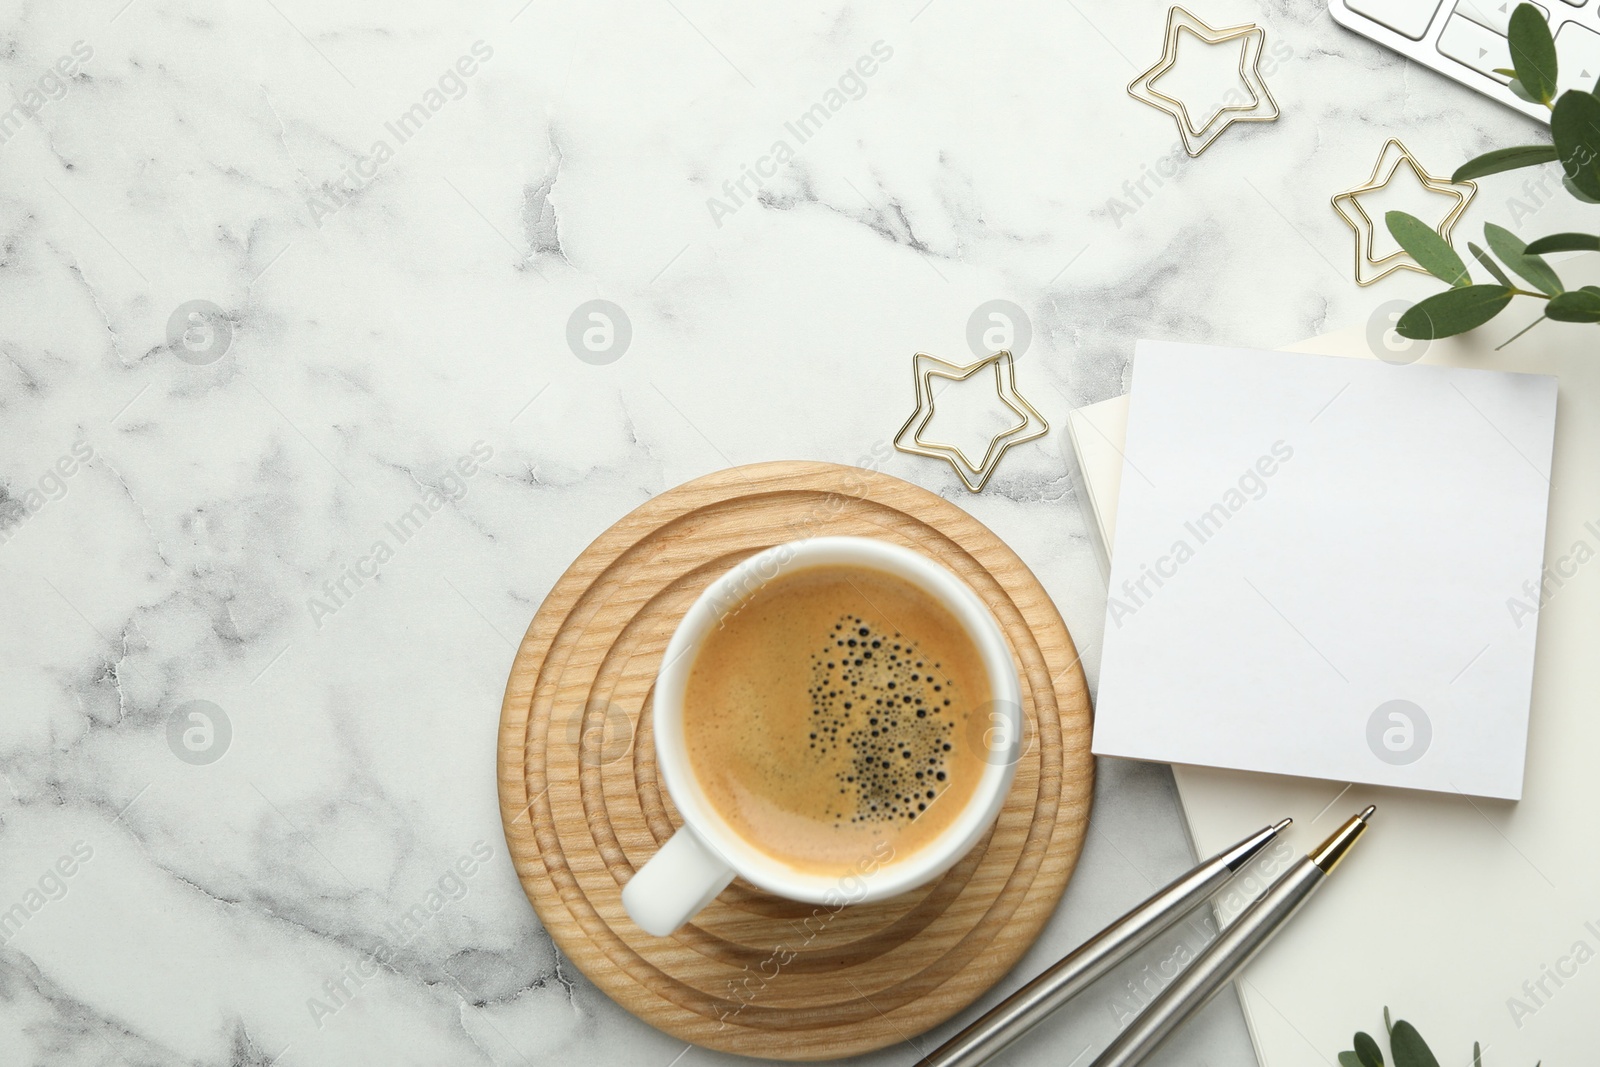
583, 808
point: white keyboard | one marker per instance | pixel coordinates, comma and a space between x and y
1466, 39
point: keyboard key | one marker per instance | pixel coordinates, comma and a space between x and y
1577, 58
1492, 14
1407, 17
1577, 3
1483, 50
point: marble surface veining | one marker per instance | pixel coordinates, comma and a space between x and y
273, 273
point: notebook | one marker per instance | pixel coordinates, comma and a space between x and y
1314, 561
1476, 919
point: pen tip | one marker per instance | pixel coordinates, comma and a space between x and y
1277, 827
1365, 815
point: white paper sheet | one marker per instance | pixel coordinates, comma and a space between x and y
1327, 568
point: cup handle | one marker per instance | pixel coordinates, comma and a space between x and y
675, 884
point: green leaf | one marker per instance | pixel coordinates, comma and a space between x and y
1488, 264
1580, 305
1503, 159
1477, 1055
1367, 1051
1431, 251
1349, 1059
1453, 311
1388, 1023
1408, 1047
1533, 52
1575, 126
1564, 242
1512, 252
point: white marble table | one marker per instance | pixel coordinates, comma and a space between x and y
385, 218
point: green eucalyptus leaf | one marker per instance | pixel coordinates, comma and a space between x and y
1408, 1047
1513, 253
1564, 242
1432, 252
1575, 127
1453, 311
1477, 1055
1367, 1051
1349, 1059
1533, 52
1388, 1023
1488, 264
1503, 159
1580, 305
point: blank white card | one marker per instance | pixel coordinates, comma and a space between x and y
1328, 567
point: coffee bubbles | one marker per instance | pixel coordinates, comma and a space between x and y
879, 701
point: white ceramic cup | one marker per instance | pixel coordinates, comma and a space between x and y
701, 859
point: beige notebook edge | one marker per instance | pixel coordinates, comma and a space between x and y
1294, 1019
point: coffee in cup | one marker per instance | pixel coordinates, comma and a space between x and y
831, 713
837, 720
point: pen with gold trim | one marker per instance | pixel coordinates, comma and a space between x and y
1232, 949
1064, 979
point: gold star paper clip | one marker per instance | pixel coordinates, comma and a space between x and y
1348, 205
1029, 426
1261, 108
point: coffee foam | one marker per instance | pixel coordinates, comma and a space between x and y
897, 755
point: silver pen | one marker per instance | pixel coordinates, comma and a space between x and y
1031, 1004
1232, 949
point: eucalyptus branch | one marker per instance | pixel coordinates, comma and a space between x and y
1405, 1045
1575, 136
